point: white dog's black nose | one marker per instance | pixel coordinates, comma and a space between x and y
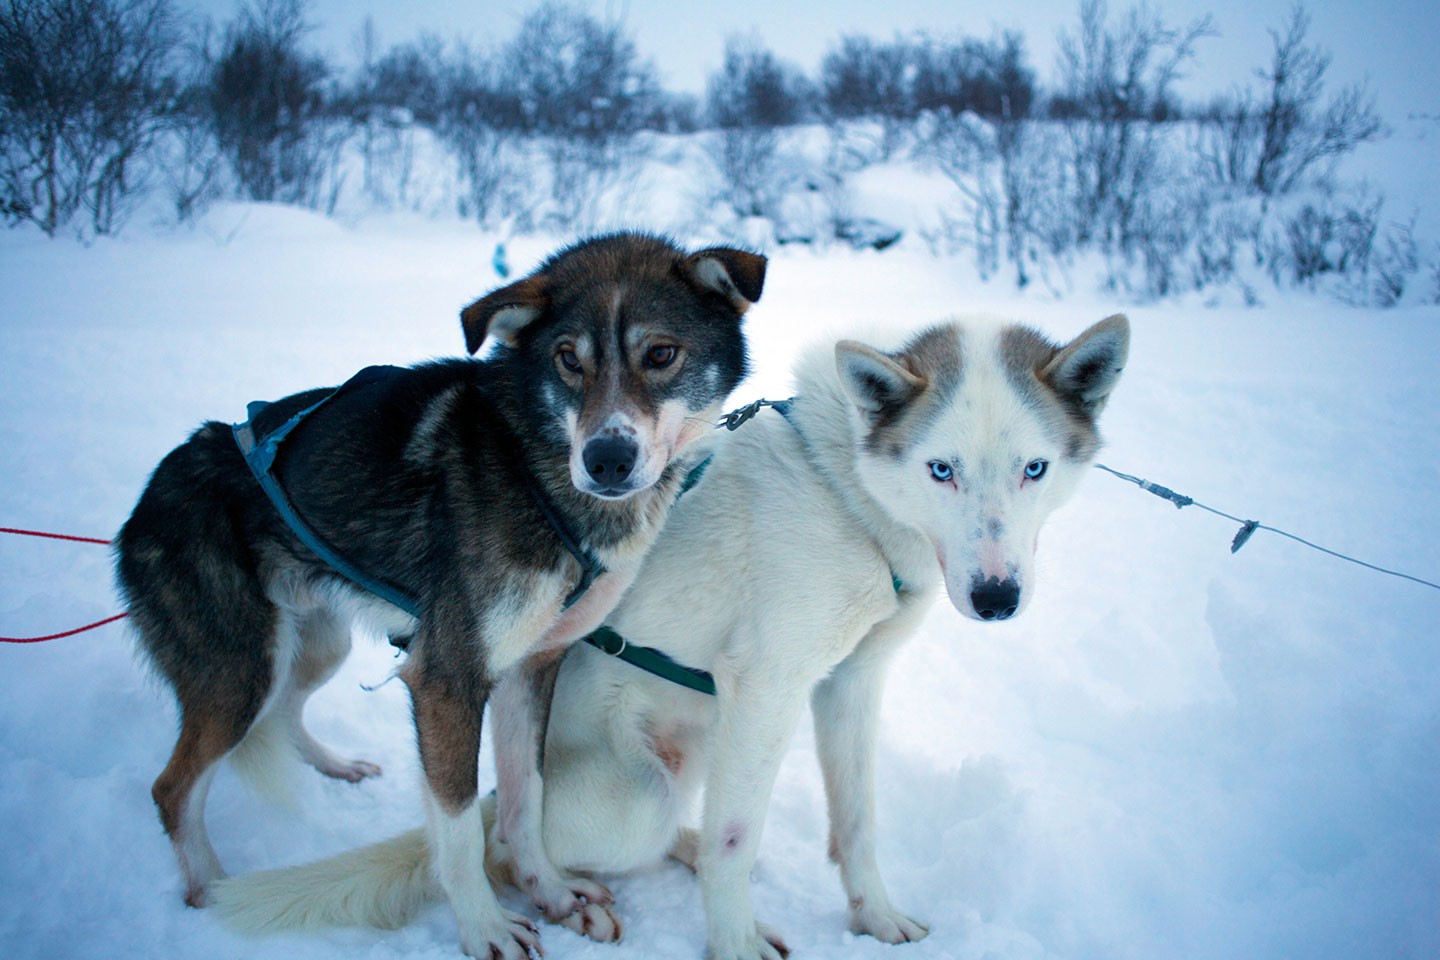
995, 599
609, 460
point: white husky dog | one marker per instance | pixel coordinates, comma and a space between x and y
811, 548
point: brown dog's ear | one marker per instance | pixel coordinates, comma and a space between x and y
1086, 369
738, 274
504, 313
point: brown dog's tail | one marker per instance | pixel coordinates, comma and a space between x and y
382, 885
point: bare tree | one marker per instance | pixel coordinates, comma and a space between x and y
1228, 139
1114, 83
393, 93
191, 166
1296, 135
751, 98
867, 80
83, 91
266, 104
584, 92
479, 120
988, 152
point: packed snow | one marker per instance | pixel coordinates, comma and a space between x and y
1174, 753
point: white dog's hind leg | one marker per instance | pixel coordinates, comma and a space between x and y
846, 707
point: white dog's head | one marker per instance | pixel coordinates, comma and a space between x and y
974, 435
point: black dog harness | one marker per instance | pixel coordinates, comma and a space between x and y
260, 453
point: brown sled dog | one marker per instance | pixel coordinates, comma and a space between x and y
491, 492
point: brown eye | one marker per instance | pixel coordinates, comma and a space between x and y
570, 360
661, 356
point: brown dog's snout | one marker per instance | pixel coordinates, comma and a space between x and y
610, 460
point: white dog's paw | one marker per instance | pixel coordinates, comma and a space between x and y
596, 921
763, 943
514, 939
885, 923
562, 894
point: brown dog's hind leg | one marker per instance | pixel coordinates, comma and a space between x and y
324, 642
208, 731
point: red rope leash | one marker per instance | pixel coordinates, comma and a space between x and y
54, 536
67, 633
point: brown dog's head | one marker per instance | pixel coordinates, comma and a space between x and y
629, 347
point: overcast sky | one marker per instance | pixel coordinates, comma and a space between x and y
1395, 44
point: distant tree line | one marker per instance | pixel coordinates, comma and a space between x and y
105, 102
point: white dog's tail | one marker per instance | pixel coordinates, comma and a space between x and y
383, 885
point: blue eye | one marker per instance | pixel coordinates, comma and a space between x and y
941, 470
1035, 469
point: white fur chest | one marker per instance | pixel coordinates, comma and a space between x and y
536, 620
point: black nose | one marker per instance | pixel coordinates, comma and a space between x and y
609, 460
995, 599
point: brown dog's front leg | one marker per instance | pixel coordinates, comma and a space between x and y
449, 702
521, 709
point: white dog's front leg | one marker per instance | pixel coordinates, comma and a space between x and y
757, 717
521, 706
846, 706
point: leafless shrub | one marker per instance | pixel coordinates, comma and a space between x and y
391, 95
751, 98
1325, 235
1228, 140
83, 95
191, 166
1296, 135
480, 123
987, 152
1394, 263
583, 92
267, 108
862, 79
1114, 85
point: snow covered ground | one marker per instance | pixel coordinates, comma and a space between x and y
1176, 752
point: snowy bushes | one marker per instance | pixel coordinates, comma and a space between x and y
264, 102
564, 128
83, 99
750, 101
1113, 171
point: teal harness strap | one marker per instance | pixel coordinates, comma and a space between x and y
652, 661
260, 457
648, 658
260, 454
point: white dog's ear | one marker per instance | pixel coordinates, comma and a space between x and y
738, 274
504, 313
1087, 368
874, 381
